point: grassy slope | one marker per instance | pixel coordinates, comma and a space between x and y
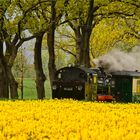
30, 89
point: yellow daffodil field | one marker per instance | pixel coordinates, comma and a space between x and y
68, 120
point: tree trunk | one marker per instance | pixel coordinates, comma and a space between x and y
12, 83
83, 33
4, 93
85, 49
50, 42
1, 80
86, 33
40, 76
78, 46
82, 47
86, 30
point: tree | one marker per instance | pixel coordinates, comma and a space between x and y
50, 42
119, 28
22, 20
110, 33
40, 76
20, 68
65, 49
81, 21
13, 37
36, 25
87, 14
4, 91
52, 19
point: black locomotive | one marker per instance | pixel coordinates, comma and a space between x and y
94, 84
74, 82
81, 83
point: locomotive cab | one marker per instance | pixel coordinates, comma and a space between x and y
75, 82
104, 85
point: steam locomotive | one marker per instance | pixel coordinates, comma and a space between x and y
96, 85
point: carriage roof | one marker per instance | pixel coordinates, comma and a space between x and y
126, 73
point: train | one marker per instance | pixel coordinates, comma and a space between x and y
94, 84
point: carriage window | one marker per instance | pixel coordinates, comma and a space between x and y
113, 83
138, 83
138, 86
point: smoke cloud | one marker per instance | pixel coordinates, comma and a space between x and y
117, 60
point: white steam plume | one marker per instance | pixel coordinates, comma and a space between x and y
118, 60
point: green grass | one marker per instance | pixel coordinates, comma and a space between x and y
29, 91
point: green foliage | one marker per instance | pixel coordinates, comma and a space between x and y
5, 3
119, 23
1, 1
109, 33
11, 16
65, 46
77, 10
101, 2
118, 26
20, 66
117, 7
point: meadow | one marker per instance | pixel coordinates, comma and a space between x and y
68, 120
30, 89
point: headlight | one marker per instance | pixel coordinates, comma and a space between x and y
54, 87
80, 88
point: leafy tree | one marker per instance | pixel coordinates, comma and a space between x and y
13, 36
4, 92
20, 64
19, 68
119, 28
79, 15
22, 20
42, 22
52, 19
65, 46
36, 25
110, 33
87, 14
